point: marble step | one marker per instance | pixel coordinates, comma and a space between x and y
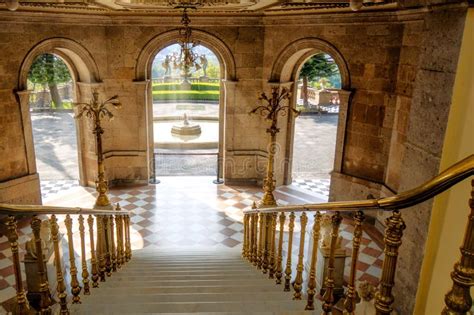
188, 307
196, 296
148, 276
112, 289
188, 283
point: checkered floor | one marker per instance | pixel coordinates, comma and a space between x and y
317, 186
185, 211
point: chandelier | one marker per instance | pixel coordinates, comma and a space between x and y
187, 58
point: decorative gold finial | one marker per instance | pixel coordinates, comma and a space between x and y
271, 111
96, 111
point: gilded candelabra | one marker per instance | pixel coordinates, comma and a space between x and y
96, 111
271, 111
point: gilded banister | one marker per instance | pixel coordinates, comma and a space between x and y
85, 272
446, 179
279, 268
22, 306
94, 265
291, 227
75, 288
393, 239
458, 300
328, 297
61, 286
45, 300
312, 271
351, 295
298, 283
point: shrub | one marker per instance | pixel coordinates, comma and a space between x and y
194, 86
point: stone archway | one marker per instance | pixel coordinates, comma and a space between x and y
85, 75
285, 71
143, 71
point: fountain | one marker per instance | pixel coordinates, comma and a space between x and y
186, 128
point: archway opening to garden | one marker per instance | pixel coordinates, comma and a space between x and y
186, 112
51, 85
318, 83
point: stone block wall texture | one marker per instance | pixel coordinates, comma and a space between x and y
401, 69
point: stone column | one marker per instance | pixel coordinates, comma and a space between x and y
144, 103
226, 129
344, 99
23, 97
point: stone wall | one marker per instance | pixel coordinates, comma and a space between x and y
436, 42
400, 70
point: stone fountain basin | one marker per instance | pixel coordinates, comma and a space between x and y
207, 139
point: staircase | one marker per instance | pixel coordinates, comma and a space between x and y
189, 280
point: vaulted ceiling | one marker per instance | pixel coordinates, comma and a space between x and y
147, 6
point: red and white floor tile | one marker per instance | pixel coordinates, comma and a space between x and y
184, 211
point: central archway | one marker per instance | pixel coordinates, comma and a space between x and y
143, 73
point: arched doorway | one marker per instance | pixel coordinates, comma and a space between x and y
85, 77
286, 70
315, 130
226, 94
51, 98
186, 112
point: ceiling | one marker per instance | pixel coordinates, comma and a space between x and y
201, 5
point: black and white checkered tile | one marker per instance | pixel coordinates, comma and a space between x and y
318, 186
53, 187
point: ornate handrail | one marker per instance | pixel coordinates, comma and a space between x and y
446, 179
260, 239
10, 209
109, 247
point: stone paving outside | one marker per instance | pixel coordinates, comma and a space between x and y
56, 149
55, 141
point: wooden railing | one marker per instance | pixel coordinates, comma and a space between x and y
109, 248
260, 236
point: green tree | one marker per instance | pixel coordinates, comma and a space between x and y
47, 69
318, 66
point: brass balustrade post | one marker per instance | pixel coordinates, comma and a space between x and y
251, 236
351, 295
107, 246
118, 227
458, 300
328, 297
128, 242
266, 242
255, 240
298, 283
45, 301
279, 268
393, 239
122, 237
22, 306
261, 231
61, 286
94, 266
291, 227
246, 239
314, 257
112, 244
75, 288
85, 272
100, 248
271, 246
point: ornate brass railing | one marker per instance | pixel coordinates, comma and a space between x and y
259, 240
110, 248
